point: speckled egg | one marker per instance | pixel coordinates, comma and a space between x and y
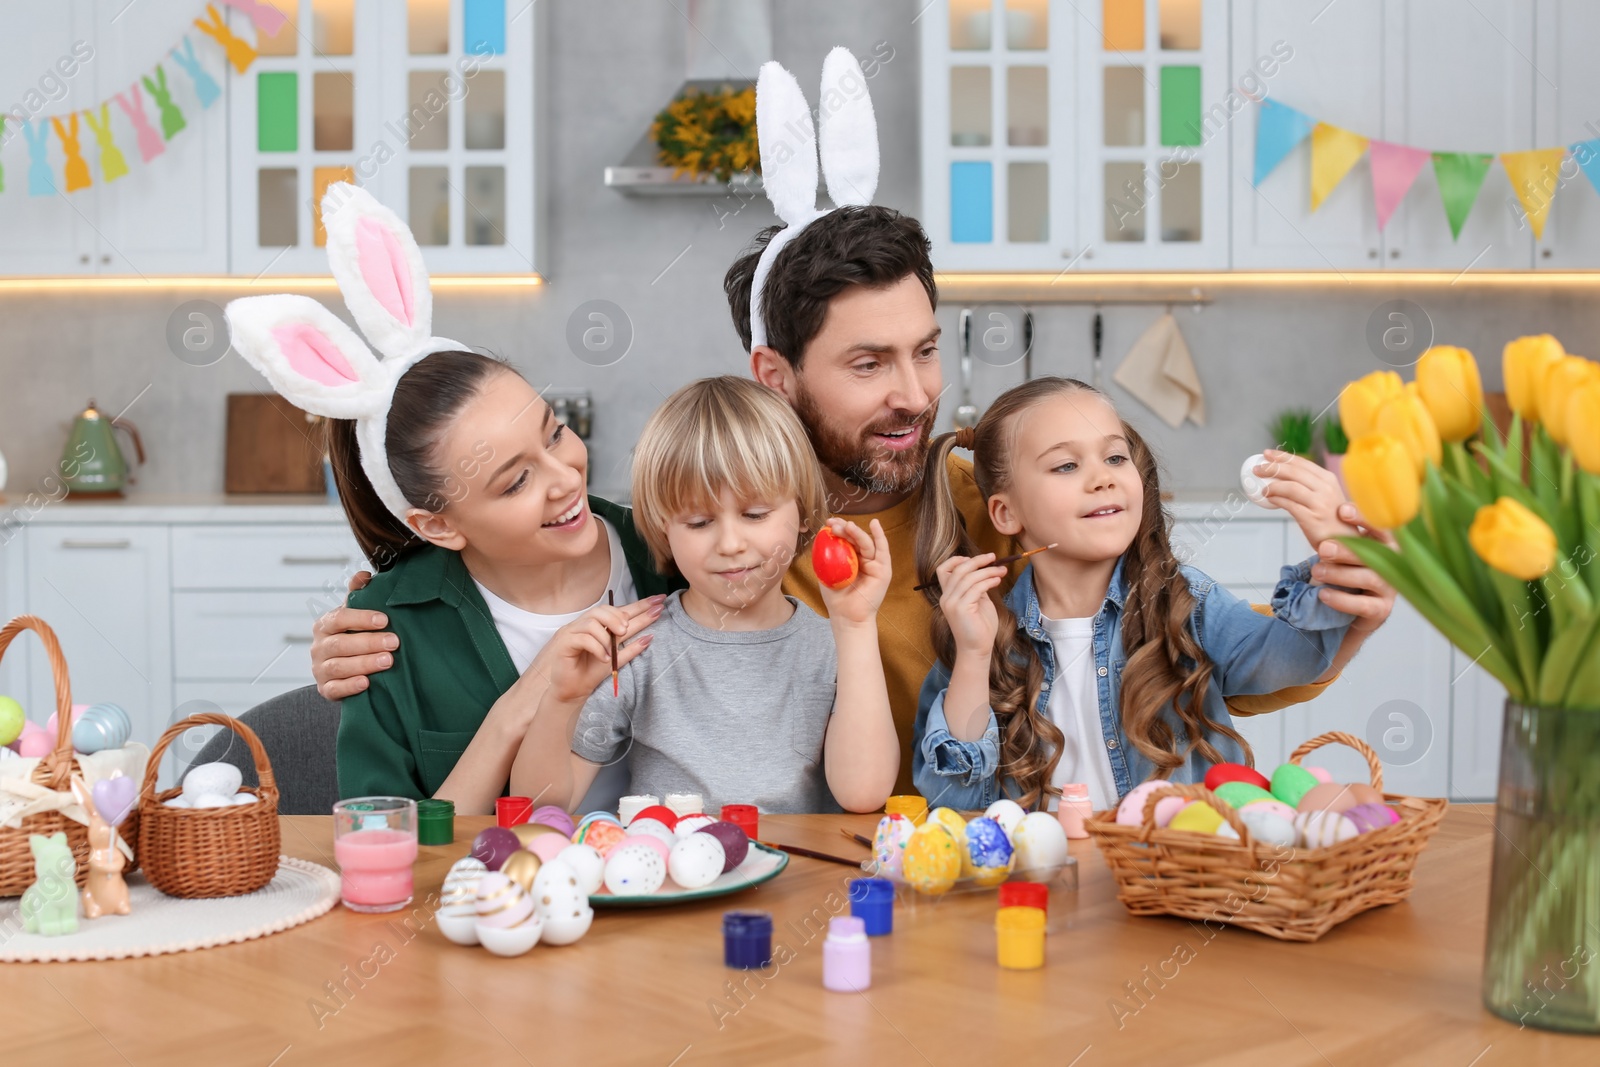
951, 820
646, 827
587, 865
1007, 813
600, 835
1040, 842
563, 905
662, 848
889, 844
501, 902
932, 862
635, 870
691, 823
735, 842
696, 861
989, 854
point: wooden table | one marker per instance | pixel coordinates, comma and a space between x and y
1394, 986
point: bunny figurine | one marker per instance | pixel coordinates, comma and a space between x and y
106, 893
50, 904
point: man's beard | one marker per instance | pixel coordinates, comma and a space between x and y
860, 460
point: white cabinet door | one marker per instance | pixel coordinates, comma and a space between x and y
1334, 73
1567, 92
105, 591
1459, 78
168, 216
244, 636
1477, 712
47, 68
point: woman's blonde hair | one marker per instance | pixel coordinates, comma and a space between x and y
1165, 666
716, 434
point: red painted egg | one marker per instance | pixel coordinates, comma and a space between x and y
834, 559
1234, 772
660, 813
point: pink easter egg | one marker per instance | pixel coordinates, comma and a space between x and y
77, 713
548, 846
1167, 807
1320, 774
36, 742
660, 846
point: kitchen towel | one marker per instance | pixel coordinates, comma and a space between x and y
1160, 374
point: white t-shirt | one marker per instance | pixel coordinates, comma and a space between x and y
526, 633
1075, 709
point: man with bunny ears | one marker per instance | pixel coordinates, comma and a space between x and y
837, 310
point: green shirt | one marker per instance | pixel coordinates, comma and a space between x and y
403, 734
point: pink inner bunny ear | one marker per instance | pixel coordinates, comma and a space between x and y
313, 354
384, 268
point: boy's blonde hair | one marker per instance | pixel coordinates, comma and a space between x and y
723, 433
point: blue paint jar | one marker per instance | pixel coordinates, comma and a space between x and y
746, 939
872, 901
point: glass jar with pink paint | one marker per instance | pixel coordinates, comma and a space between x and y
375, 843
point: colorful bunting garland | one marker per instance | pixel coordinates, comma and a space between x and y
75, 170
1534, 175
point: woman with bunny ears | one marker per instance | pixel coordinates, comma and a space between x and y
468, 496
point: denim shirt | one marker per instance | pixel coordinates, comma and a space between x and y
1252, 653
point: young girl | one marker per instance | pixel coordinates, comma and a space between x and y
1108, 661
744, 695
468, 496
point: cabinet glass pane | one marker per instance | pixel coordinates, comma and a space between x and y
430, 205
428, 114
971, 113
971, 25
1027, 25
321, 178
1124, 104
1180, 25
1180, 201
1122, 25
277, 207
427, 27
287, 40
1028, 202
1028, 105
277, 111
1180, 105
334, 26
485, 211
485, 108
483, 27
333, 115
1125, 200
971, 202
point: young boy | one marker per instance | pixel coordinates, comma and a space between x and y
744, 694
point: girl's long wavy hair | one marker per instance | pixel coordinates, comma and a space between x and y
1166, 667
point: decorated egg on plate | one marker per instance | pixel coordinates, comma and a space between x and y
588, 866
548, 846
458, 901
1323, 829
951, 820
932, 862
646, 827
889, 843
735, 842
692, 823
989, 854
521, 868
562, 904
663, 849
501, 902
659, 812
635, 870
1007, 813
600, 835
696, 861
494, 845
1040, 842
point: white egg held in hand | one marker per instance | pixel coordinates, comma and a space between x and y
587, 865
635, 870
696, 861
219, 779
1040, 842
1254, 485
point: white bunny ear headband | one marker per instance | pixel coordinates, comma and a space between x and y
790, 145
317, 362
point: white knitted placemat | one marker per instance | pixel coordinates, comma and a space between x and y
158, 924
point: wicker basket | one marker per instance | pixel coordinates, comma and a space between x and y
1294, 894
209, 852
54, 771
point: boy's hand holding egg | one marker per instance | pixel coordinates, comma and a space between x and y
853, 570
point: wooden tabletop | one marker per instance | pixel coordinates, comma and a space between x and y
1394, 986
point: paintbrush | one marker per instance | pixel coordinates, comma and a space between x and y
795, 850
611, 599
1001, 562
859, 839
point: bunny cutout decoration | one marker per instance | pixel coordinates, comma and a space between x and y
846, 138
317, 362
105, 893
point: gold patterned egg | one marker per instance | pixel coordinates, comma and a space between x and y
459, 895
521, 867
527, 831
932, 862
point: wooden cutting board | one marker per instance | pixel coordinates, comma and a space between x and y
273, 446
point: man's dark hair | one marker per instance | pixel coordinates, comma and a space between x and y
871, 246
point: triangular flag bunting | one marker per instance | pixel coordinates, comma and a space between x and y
1535, 175
1333, 152
1279, 128
1587, 153
1460, 176
1394, 168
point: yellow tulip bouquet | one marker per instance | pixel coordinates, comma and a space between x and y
1498, 537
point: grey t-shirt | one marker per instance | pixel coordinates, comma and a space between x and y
738, 716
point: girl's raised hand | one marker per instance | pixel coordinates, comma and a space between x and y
1310, 493
859, 601
964, 586
578, 656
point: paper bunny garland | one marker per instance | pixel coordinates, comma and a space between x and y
847, 137
320, 364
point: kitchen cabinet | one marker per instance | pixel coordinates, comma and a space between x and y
165, 217
1566, 91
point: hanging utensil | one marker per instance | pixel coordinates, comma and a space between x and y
967, 411
1097, 374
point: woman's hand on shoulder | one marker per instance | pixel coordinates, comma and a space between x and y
347, 644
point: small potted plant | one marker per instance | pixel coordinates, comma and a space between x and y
1293, 430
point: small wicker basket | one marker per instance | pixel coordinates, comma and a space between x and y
209, 852
1294, 894
54, 771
